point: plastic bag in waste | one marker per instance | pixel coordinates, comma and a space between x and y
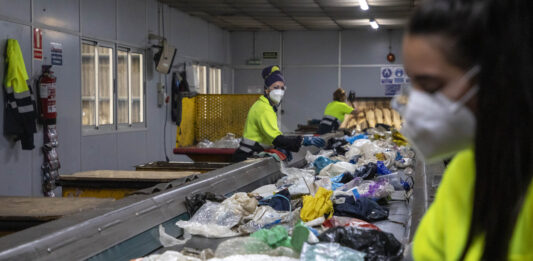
352, 139
168, 256
367, 171
318, 205
338, 221
299, 181
265, 191
205, 144
249, 246
310, 158
398, 180
168, 240
241, 203
212, 220
322, 162
194, 202
330, 251
266, 217
378, 245
335, 169
362, 208
274, 237
373, 189
228, 141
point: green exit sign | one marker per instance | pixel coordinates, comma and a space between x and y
270, 55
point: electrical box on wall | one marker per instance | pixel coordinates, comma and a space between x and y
165, 57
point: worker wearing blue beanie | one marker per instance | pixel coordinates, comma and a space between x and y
261, 131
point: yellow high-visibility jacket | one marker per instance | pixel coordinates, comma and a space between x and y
443, 231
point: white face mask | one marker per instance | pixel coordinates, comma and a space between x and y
276, 95
438, 127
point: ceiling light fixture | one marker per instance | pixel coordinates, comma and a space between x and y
374, 24
363, 4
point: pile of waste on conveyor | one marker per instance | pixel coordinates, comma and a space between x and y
336, 208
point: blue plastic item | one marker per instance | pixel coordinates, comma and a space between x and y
321, 162
352, 139
398, 156
382, 169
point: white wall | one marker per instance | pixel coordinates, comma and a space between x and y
126, 22
314, 65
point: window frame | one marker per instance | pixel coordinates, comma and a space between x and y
115, 126
99, 127
132, 125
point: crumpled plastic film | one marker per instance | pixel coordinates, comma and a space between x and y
168, 240
248, 246
322, 162
228, 141
194, 202
266, 216
333, 170
265, 191
373, 189
330, 251
212, 220
300, 180
318, 205
241, 203
274, 237
310, 158
168, 256
205, 144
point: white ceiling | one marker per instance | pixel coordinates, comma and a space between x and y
283, 15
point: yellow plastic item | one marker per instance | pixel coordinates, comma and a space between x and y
398, 138
317, 206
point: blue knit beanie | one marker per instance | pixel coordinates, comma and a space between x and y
272, 74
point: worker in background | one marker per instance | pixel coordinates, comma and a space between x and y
335, 112
470, 64
261, 129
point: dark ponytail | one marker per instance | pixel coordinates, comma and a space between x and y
496, 34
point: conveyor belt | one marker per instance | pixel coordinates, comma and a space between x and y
128, 228
88, 234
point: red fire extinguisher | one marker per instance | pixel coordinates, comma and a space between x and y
47, 95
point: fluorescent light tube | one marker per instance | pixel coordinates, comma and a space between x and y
374, 24
363, 4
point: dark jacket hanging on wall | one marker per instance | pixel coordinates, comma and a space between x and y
19, 102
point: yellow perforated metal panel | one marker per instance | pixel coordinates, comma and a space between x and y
212, 116
218, 114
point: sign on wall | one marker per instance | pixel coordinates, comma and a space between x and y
270, 55
392, 78
56, 53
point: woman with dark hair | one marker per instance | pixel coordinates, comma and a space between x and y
471, 66
335, 112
